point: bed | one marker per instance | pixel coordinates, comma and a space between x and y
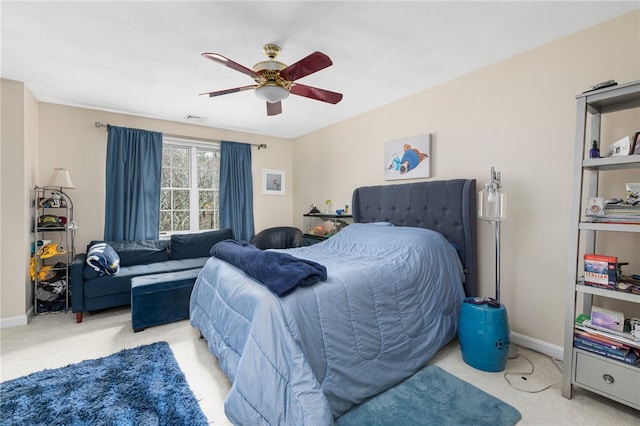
395, 283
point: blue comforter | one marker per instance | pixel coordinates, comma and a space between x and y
391, 301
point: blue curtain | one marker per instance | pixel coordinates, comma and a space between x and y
236, 189
134, 170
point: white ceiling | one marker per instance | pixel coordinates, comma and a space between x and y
143, 58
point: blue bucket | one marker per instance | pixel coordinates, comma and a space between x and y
483, 332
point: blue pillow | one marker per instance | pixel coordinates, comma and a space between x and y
103, 259
191, 246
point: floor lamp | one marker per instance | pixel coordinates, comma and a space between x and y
492, 207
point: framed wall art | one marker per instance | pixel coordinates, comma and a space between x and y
622, 147
408, 158
273, 182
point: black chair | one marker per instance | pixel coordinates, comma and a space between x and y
279, 237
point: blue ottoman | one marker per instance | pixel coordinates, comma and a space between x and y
161, 298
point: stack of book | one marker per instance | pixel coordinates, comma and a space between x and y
624, 213
619, 345
600, 211
629, 284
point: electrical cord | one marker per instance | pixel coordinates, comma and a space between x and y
523, 374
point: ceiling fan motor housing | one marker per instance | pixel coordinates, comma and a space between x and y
269, 71
272, 87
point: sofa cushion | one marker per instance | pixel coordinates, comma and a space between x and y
139, 252
121, 283
103, 259
186, 246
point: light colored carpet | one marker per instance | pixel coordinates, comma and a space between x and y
55, 340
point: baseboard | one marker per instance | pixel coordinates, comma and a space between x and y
19, 321
546, 348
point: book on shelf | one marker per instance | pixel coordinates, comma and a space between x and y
599, 210
630, 356
628, 284
604, 335
602, 340
600, 270
618, 206
604, 343
616, 220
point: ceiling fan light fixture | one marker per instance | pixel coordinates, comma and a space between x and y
272, 93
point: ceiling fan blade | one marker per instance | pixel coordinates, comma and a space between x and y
216, 57
228, 91
305, 66
315, 93
274, 108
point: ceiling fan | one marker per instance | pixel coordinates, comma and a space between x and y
275, 80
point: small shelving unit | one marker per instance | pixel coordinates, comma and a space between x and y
611, 378
51, 272
312, 220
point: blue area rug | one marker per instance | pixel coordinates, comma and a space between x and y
431, 397
140, 386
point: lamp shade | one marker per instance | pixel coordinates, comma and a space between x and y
492, 202
60, 178
272, 93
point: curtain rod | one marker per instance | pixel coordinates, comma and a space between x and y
261, 145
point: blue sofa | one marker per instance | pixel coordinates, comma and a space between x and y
91, 291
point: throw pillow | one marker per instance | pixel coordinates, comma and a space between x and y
191, 246
103, 259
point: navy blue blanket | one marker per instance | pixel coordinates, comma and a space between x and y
279, 272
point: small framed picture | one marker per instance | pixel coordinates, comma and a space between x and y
621, 147
273, 182
595, 206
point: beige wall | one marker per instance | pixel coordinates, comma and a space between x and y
68, 138
517, 115
17, 158
36, 137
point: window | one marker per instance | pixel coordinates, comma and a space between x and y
189, 197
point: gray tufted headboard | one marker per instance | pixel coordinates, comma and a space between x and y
447, 206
